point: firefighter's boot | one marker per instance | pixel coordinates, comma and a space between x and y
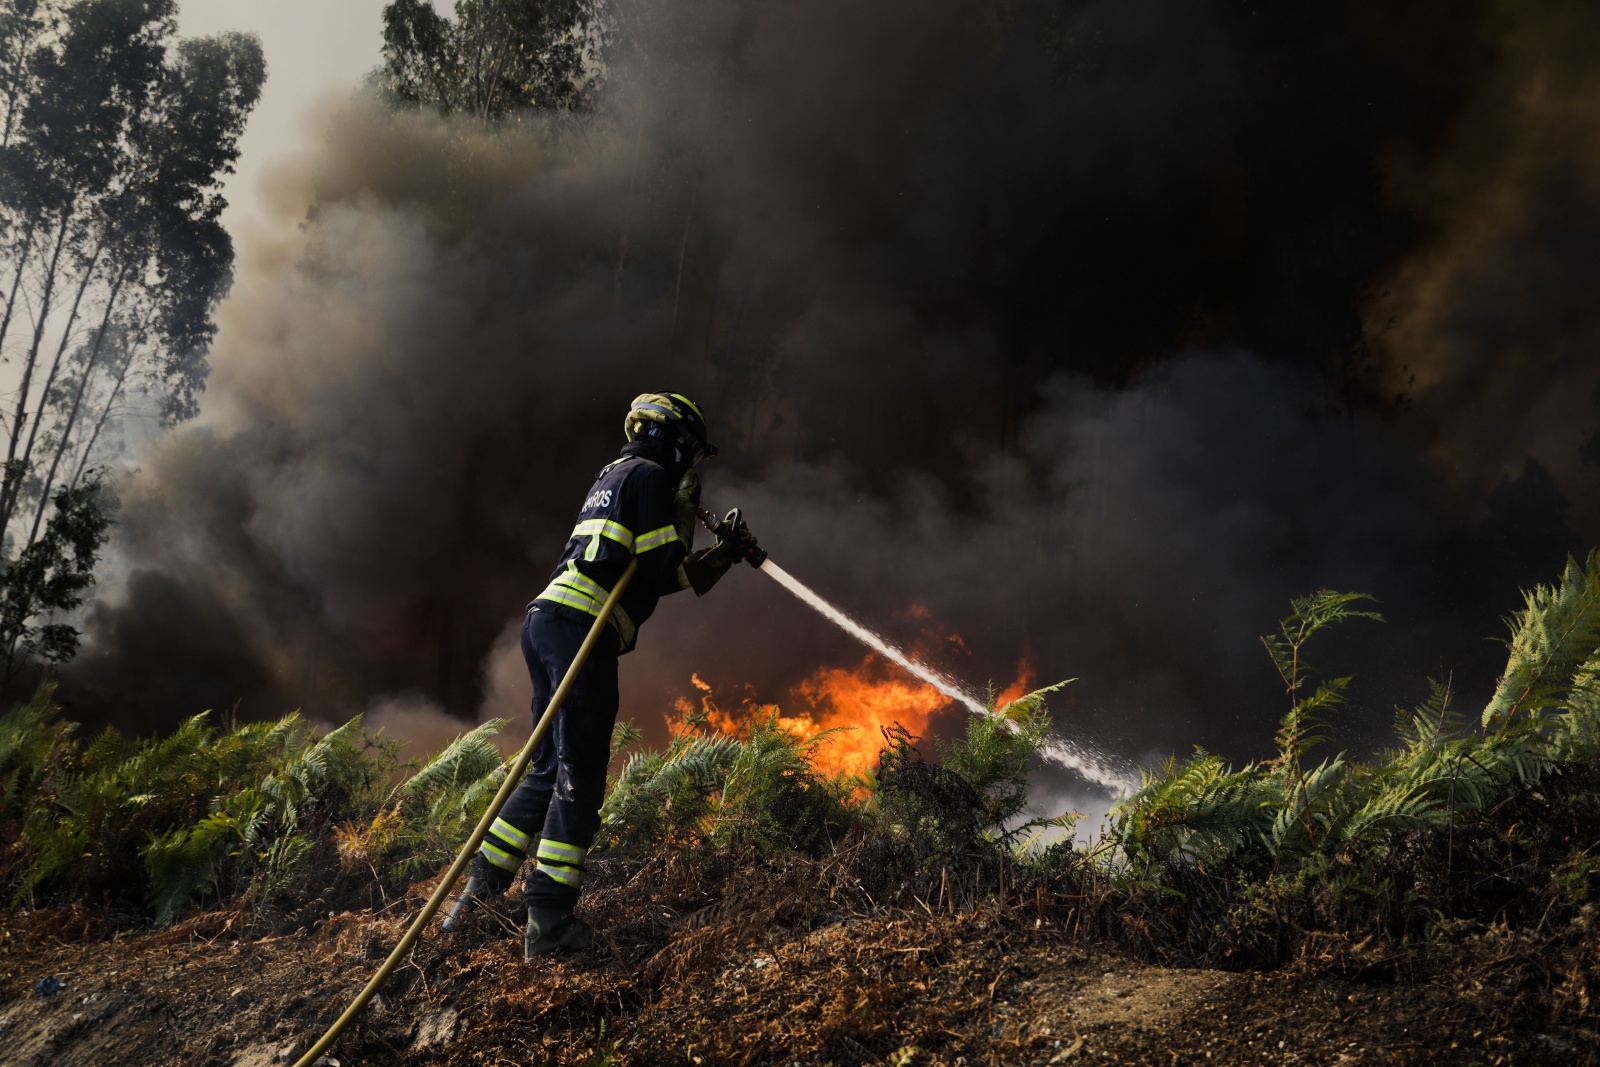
555, 932
486, 882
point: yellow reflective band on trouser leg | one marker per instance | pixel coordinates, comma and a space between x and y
511, 835
562, 861
504, 860
561, 852
565, 875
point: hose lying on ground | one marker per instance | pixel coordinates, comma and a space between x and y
513, 776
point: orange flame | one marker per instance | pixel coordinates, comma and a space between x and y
858, 703
1019, 688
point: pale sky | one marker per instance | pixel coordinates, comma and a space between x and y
313, 48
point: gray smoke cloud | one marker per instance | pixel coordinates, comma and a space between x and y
1007, 316
1162, 527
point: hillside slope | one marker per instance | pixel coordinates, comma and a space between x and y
773, 975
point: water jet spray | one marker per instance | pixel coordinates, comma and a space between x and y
1072, 755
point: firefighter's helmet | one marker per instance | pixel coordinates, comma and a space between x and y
672, 417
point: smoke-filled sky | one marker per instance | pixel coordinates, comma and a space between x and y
1091, 332
316, 52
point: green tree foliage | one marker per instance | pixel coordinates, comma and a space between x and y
113, 145
54, 573
494, 59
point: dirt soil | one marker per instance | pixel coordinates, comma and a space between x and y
673, 985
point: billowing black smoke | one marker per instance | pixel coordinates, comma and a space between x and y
1046, 317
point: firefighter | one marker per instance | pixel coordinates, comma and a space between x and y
644, 504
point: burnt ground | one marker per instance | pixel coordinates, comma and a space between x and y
784, 980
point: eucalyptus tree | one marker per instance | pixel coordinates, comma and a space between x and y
115, 140
495, 58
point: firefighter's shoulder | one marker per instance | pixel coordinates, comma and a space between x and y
637, 471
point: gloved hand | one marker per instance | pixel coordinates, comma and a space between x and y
707, 566
734, 542
732, 532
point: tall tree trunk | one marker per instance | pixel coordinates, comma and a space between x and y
100, 423
77, 405
11, 476
496, 66
50, 379
16, 283
13, 90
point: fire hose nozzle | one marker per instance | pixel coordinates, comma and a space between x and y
731, 529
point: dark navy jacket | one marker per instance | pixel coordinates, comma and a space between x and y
628, 512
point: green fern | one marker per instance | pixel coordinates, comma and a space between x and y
282, 864
456, 767
660, 796
182, 861
29, 734
1554, 643
1574, 735
1301, 729
1308, 811
440, 804
1199, 811
998, 753
773, 797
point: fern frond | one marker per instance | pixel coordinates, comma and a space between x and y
29, 734
1391, 811
460, 763
1028, 705
1199, 810
1552, 638
1308, 808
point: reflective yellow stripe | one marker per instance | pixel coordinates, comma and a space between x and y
557, 850
606, 528
656, 538
625, 627
504, 860
562, 595
692, 405
564, 875
561, 592
594, 529
582, 583
510, 834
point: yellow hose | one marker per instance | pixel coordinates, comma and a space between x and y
513, 777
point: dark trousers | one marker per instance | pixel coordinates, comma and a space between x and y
558, 800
